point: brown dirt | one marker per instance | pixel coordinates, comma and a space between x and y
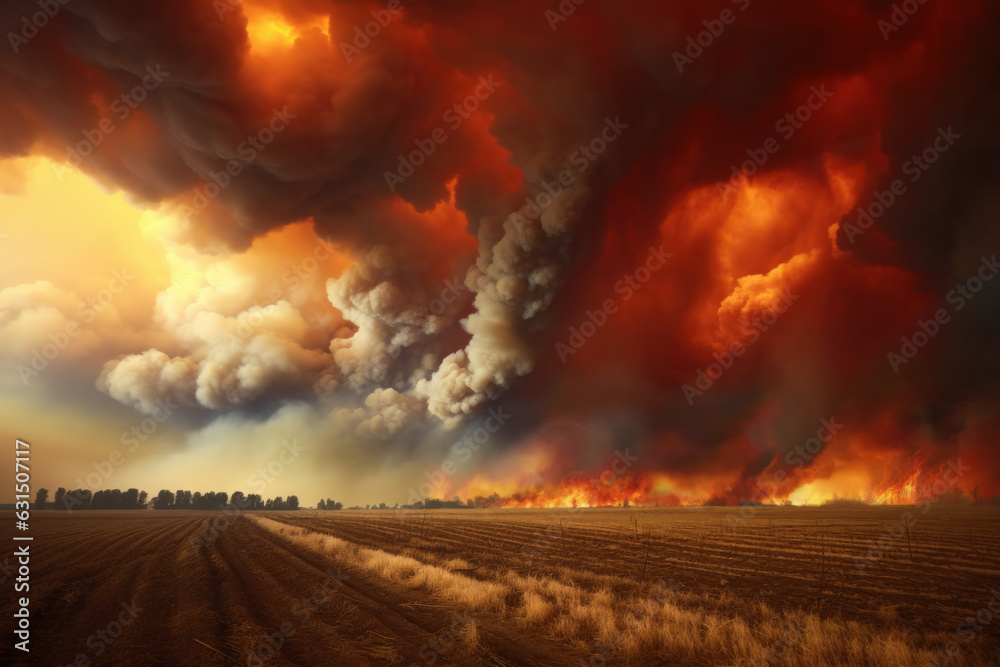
216, 605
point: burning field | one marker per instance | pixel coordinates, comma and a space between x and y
692, 263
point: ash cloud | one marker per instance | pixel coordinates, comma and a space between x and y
370, 338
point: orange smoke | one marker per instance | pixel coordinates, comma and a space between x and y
697, 381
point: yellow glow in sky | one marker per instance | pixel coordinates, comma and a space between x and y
61, 227
267, 30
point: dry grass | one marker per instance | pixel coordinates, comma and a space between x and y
586, 610
455, 588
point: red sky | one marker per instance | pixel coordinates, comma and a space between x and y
690, 231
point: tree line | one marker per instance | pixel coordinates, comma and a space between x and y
430, 503
134, 499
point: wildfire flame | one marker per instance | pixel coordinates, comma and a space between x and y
911, 481
579, 489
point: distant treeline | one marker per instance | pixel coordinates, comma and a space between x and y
430, 503
134, 499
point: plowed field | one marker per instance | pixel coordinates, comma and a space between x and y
788, 586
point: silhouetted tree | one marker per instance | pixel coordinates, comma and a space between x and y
321, 505
142, 500
293, 502
78, 499
164, 500
40, 497
58, 503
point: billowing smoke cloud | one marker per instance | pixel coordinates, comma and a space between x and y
541, 159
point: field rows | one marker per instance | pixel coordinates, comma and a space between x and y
776, 557
630, 587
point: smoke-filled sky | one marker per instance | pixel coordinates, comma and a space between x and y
670, 252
